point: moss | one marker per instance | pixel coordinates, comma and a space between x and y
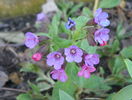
11, 8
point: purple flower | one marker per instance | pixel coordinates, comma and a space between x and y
41, 16
101, 36
31, 40
73, 53
70, 23
101, 18
55, 59
91, 59
86, 71
59, 75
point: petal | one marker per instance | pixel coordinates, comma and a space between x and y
92, 69
50, 61
55, 76
104, 37
30, 44
98, 39
63, 78
86, 74
57, 65
31, 40
104, 22
98, 11
96, 20
61, 60
80, 73
67, 51
73, 46
78, 59
79, 52
103, 15
105, 30
69, 58
96, 59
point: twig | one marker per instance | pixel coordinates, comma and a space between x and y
96, 3
12, 89
12, 45
5, 96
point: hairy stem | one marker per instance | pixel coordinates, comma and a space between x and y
12, 89
96, 3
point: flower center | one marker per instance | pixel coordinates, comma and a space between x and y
57, 56
73, 51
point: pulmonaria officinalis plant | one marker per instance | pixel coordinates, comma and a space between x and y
72, 52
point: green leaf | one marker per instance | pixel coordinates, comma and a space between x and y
119, 65
120, 31
109, 3
85, 46
34, 87
44, 34
115, 46
28, 67
68, 87
93, 83
87, 12
129, 66
60, 43
53, 28
127, 52
124, 94
64, 96
24, 97
75, 8
81, 22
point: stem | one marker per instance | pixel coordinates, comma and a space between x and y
79, 91
12, 89
96, 3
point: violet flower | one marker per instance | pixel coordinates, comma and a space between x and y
73, 54
55, 59
91, 59
37, 56
86, 71
101, 36
100, 18
70, 24
31, 40
40, 16
59, 75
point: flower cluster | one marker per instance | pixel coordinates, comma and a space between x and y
58, 60
101, 35
72, 54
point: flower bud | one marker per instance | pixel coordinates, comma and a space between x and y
37, 56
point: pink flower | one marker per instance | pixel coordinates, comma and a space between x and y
59, 75
55, 59
86, 71
101, 36
31, 40
91, 59
37, 56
